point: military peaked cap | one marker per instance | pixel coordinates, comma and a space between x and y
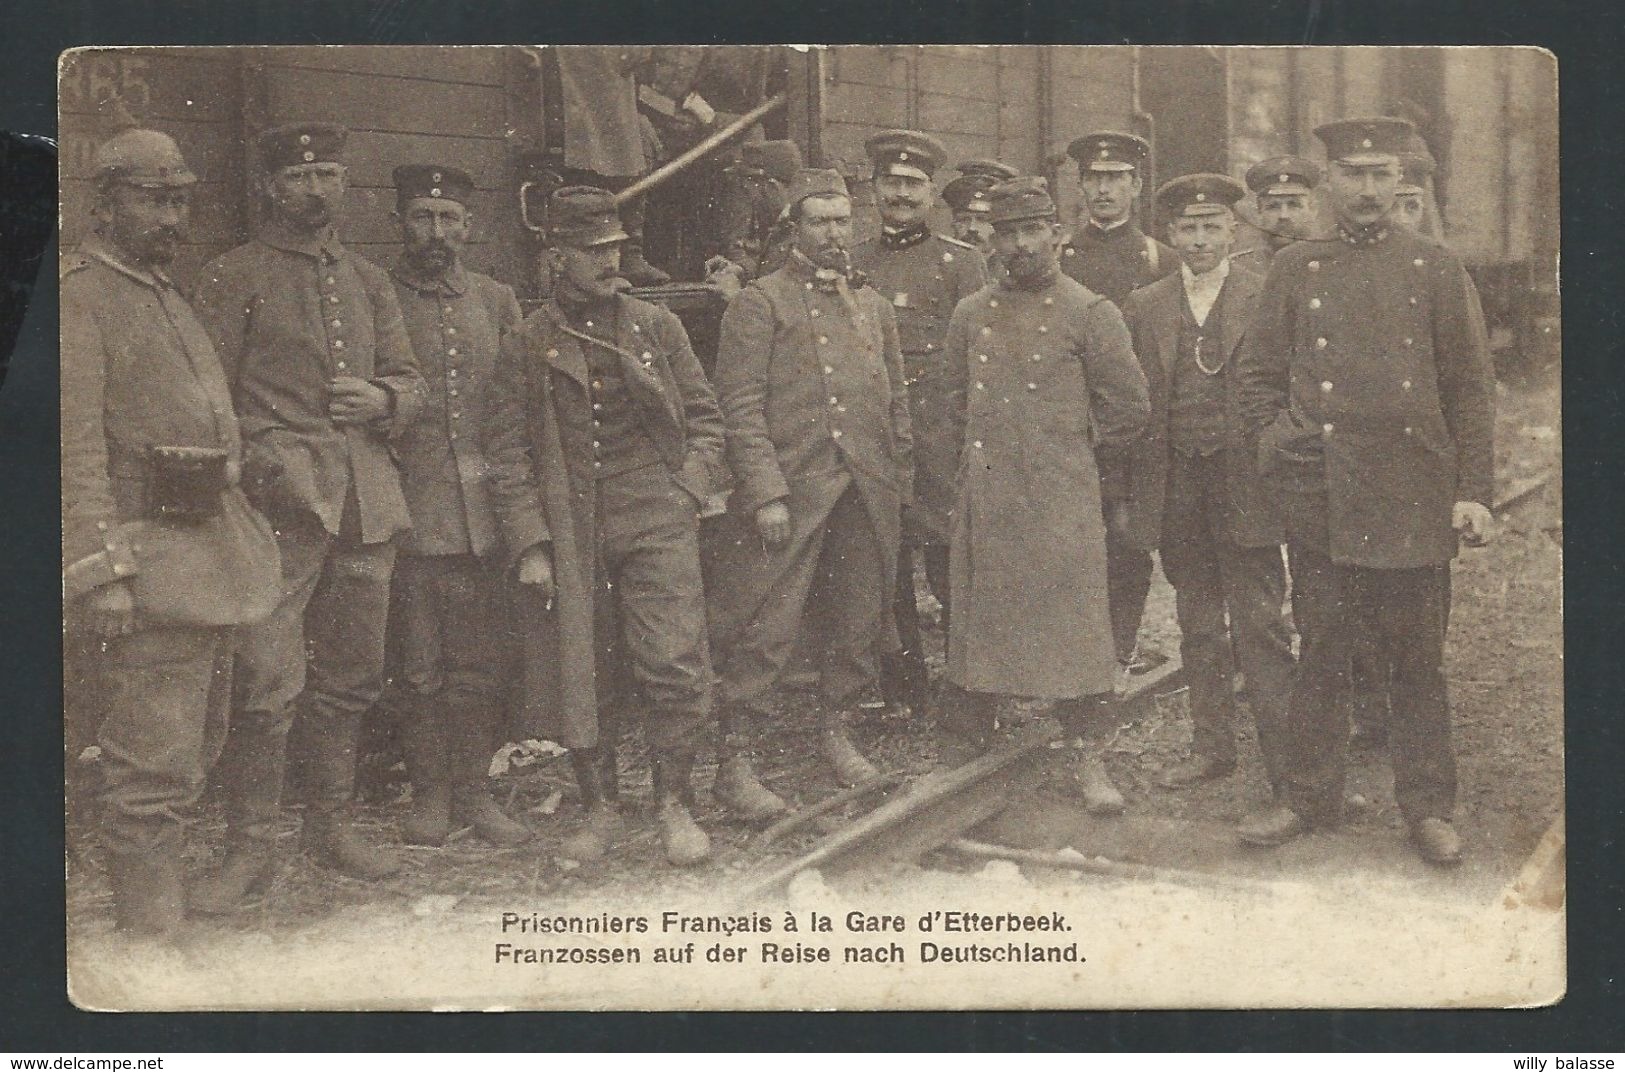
1283, 175
1374, 140
432, 180
1109, 150
301, 143
905, 152
1201, 194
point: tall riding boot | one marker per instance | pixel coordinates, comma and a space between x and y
147, 892
849, 765
685, 843
737, 785
604, 823
253, 812
424, 740
1084, 720
471, 802
330, 836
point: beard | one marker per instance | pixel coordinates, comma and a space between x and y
432, 257
307, 213
156, 247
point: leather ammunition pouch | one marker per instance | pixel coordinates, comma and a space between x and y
186, 483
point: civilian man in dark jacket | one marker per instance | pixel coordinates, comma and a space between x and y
1195, 493
1366, 374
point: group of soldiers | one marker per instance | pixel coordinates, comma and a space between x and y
309, 455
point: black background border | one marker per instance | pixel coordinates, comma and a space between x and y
1587, 39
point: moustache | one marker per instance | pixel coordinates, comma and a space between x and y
902, 202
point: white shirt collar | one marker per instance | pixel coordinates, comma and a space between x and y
1203, 290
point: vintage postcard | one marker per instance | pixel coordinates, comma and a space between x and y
784, 527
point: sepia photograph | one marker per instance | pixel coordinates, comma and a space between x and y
777, 527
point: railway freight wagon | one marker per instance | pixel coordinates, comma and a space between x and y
1488, 115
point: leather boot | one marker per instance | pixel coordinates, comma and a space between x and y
1091, 782
685, 843
849, 765
330, 837
147, 892
737, 785
604, 824
241, 880
428, 821
256, 762
967, 721
471, 795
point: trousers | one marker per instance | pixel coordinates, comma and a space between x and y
1407, 609
166, 692
834, 564
1228, 601
649, 609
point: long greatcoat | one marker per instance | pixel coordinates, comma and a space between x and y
537, 444
1366, 374
1048, 376
1153, 314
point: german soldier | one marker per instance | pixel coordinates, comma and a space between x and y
1043, 379
811, 382
162, 554
605, 445
447, 596
967, 196
1196, 495
1284, 189
324, 379
1366, 375
1111, 256
923, 275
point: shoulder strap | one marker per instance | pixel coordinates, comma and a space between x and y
1152, 254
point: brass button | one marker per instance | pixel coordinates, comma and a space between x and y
977, 444
829, 370
836, 433
451, 331
1314, 266
1327, 428
1314, 303
982, 358
338, 323
1325, 385
1405, 384
452, 352
1032, 387
341, 366
993, 303
987, 331
1320, 343
813, 313
1043, 329
338, 344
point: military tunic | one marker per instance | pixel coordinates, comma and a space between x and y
636, 529
1114, 263
924, 280
446, 609
1366, 374
811, 386
138, 372
287, 314
1048, 377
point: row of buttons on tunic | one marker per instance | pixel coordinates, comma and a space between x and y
336, 323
